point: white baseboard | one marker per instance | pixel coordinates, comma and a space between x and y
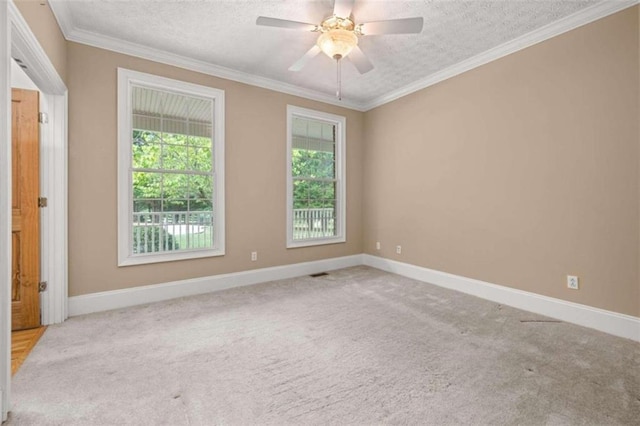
116, 299
609, 322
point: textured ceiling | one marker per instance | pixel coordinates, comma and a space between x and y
224, 33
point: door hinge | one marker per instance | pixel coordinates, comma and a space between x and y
42, 286
42, 201
43, 117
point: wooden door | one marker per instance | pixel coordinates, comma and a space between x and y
25, 227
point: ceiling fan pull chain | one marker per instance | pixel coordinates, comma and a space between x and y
339, 91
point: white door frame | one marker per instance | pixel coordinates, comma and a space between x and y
5, 209
20, 42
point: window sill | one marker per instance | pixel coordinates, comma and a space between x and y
169, 257
315, 242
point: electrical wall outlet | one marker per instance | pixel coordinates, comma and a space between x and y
254, 256
572, 282
377, 245
398, 249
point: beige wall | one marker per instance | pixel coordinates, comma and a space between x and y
255, 177
519, 172
45, 27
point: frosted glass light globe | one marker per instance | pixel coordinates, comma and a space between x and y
337, 43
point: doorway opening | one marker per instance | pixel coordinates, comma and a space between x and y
26, 284
23, 45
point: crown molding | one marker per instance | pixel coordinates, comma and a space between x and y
62, 14
585, 16
71, 33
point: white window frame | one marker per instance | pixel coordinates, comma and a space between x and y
340, 170
126, 80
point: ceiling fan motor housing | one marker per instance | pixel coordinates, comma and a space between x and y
334, 22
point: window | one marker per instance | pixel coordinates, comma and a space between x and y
315, 177
170, 169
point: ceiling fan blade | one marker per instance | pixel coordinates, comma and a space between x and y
300, 63
343, 8
358, 58
394, 26
284, 23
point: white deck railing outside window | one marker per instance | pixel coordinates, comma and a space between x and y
313, 223
156, 232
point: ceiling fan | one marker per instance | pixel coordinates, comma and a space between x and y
339, 34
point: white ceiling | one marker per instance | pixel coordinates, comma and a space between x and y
221, 37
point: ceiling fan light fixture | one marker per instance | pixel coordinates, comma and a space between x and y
337, 43
339, 36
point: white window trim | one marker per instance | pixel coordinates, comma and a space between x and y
341, 177
127, 78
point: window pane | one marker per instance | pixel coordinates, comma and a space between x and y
141, 136
174, 157
203, 205
148, 126
324, 165
147, 185
174, 131
200, 159
199, 140
300, 192
146, 155
312, 164
147, 109
169, 138
173, 205
200, 111
300, 219
141, 206
151, 238
299, 128
317, 191
201, 186
174, 106
313, 149
299, 162
175, 186
199, 232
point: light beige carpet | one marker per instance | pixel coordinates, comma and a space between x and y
358, 346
